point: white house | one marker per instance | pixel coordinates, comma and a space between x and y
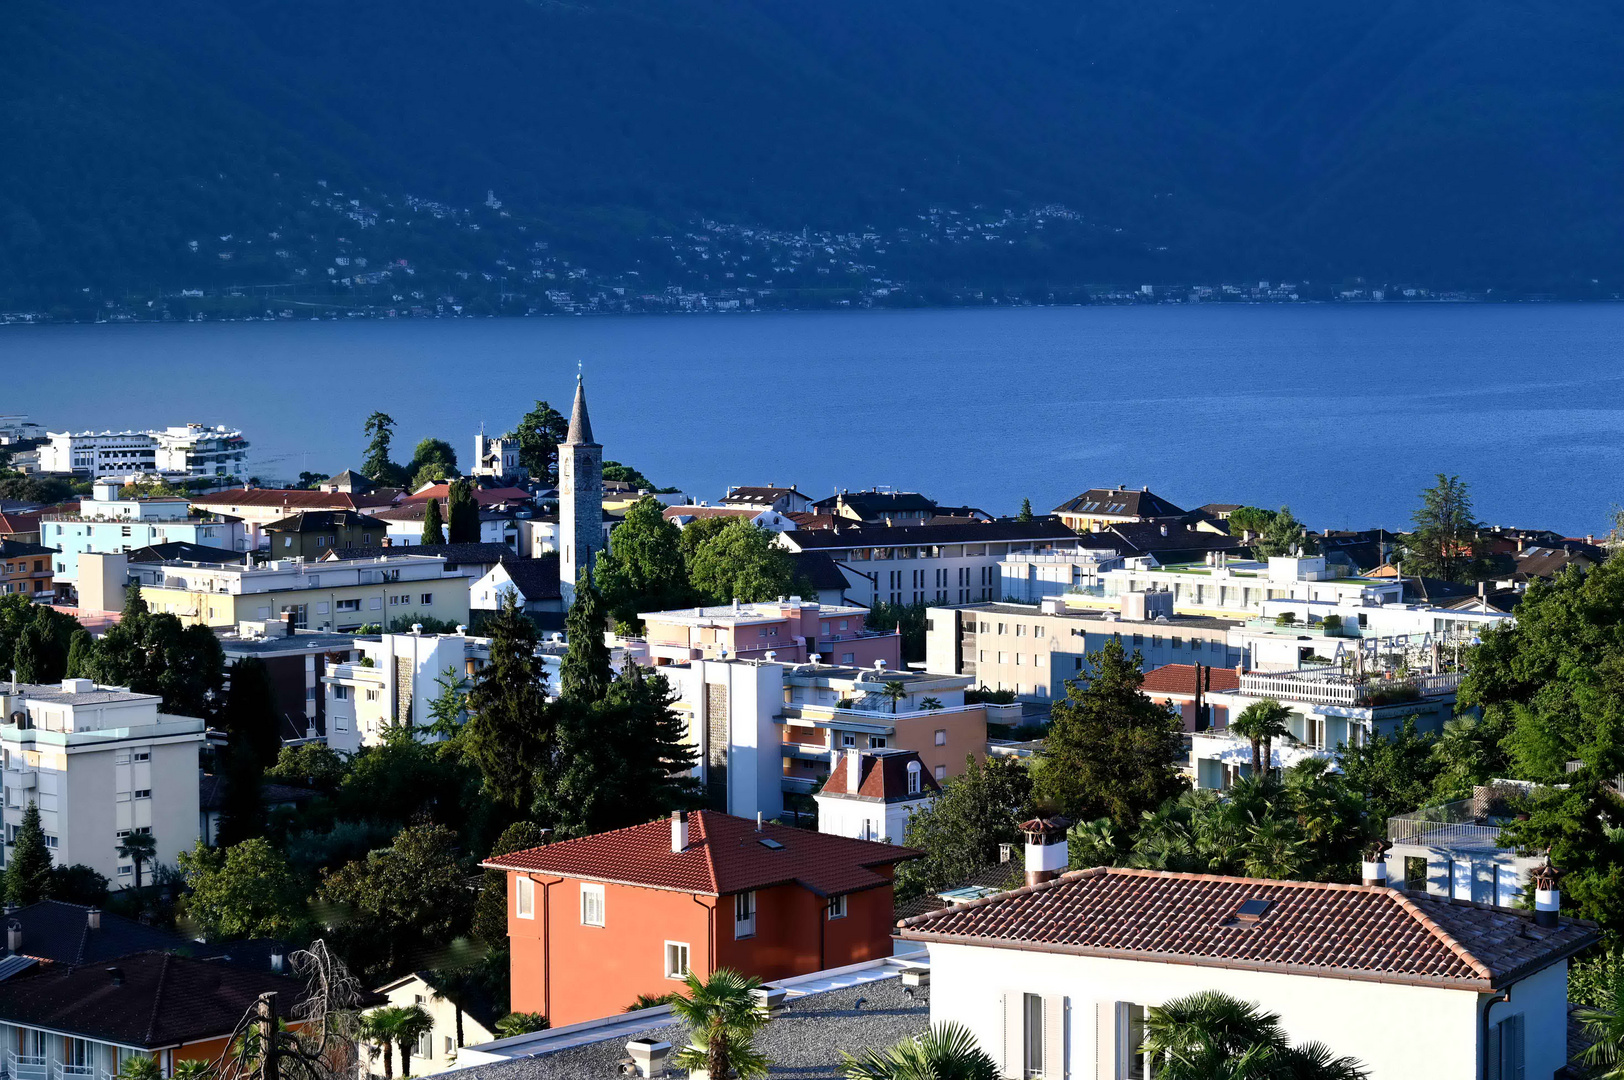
871, 794
462, 1017
190, 450
393, 684
1054, 979
109, 523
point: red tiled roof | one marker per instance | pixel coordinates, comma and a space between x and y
482, 496
1337, 931
20, 523
883, 776
724, 856
673, 512
812, 521
293, 499
1180, 679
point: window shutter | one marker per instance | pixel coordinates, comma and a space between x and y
1514, 1032
1491, 1053
1014, 1035
1105, 1040
1054, 1038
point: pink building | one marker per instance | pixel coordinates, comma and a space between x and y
792, 630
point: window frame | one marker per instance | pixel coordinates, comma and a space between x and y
677, 949
524, 897
592, 894
745, 910
836, 907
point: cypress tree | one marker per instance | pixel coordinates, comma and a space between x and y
28, 661
28, 872
250, 711
241, 812
433, 524
509, 733
135, 605
81, 656
462, 513
585, 673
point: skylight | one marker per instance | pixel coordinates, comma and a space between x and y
770, 844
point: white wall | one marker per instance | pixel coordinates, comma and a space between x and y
1398, 1032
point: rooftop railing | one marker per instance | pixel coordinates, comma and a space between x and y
1452, 825
1335, 688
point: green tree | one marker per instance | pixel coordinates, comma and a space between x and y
28, 661
694, 534
157, 654
945, 1052
311, 480
584, 673
490, 910
520, 1023
509, 732
539, 433
1261, 723
1283, 535
449, 709
1396, 772
960, 833
643, 570
462, 513
250, 711
1112, 751
380, 1028
140, 847
401, 902
246, 890
741, 562
375, 464
414, 1023
1249, 521
434, 452
1026, 511
893, 691
77, 883
28, 865
1603, 1025
242, 812
909, 619
433, 524
138, 1067
1212, 1036
615, 472
1444, 543
310, 765
81, 656
431, 473
722, 1019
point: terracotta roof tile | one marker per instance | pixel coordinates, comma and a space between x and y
1343, 931
884, 777
724, 856
1180, 679
293, 499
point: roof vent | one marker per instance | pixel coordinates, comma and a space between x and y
93, 918
1251, 911
117, 974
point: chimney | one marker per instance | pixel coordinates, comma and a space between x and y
1547, 897
1164, 530
679, 831
289, 620
93, 918
1046, 853
1006, 852
279, 960
1375, 864
854, 770
14, 936
117, 974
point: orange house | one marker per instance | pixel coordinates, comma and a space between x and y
596, 921
26, 569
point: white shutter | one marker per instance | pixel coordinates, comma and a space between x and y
1014, 1062
1054, 1037
1105, 1040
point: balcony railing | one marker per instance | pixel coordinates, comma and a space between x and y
1332, 688
1451, 825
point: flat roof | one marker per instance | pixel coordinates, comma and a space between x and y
1203, 622
300, 642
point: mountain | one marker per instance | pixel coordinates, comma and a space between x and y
1447, 143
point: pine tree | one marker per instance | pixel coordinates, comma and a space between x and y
376, 466
433, 524
135, 605
462, 513
250, 711
1026, 511
28, 662
585, 673
509, 733
28, 870
242, 814
81, 656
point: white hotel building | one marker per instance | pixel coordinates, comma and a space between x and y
190, 450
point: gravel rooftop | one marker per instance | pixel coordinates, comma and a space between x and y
804, 1043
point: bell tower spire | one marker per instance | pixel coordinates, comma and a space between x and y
580, 496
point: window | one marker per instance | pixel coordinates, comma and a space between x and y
450, 1047
121, 759
1032, 1041
428, 598
372, 695
341, 693
915, 782
143, 793
375, 603
941, 736
349, 605
1141, 1066
1037, 631
877, 742
847, 739
837, 907
141, 755
524, 898
424, 1047
51, 841
676, 960
744, 916
941, 773
591, 904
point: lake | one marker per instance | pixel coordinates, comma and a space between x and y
1343, 411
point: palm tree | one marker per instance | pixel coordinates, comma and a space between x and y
381, 1027
139, 847
931, 703
1261, 723
1604, 1027
139, 1067
193, 1069
721, 1017
945, 1052
523, 1023
415, 1022
894, 692
1212, 1036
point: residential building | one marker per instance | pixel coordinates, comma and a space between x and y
311, 534
89, 1020
348, 481
1179, 541
108, 522
596, 921
580, 497
878, 507
787, 630
342, 595
55, 932
1238, 588
472, 561
21, 524
1054, 979
191, 450
18, 428
25, 569
1456, 850
766, 733
816, 570
871, 794
1025, 578
1201, 695
462, 1015
497, 458
1099, 508
258, 507
498, 524
534, 583
393, 683
775, 520
930, 564
784, 500
1034, 649
1288, 634
296, 660
100, 762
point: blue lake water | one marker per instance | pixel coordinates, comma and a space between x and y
1345, 412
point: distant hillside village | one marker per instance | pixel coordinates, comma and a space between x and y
518, 762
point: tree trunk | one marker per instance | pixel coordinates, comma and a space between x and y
405, 1058
1268, 756
266, 1010
389, 1059
1257, 757
716, 1064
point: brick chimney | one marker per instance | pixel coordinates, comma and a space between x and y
679, 831
1046, 853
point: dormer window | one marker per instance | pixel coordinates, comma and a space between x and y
915, 781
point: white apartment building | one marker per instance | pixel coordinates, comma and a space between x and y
393, 683
1455, 850
1028, 579
99, 762
1227, 587
108, 523
931, 564
191, 450
17, 427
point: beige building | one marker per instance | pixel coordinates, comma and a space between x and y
345, 594
461, 1018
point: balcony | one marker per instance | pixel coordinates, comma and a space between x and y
1334, 688
1319, 629
26, 1066
1453, 826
